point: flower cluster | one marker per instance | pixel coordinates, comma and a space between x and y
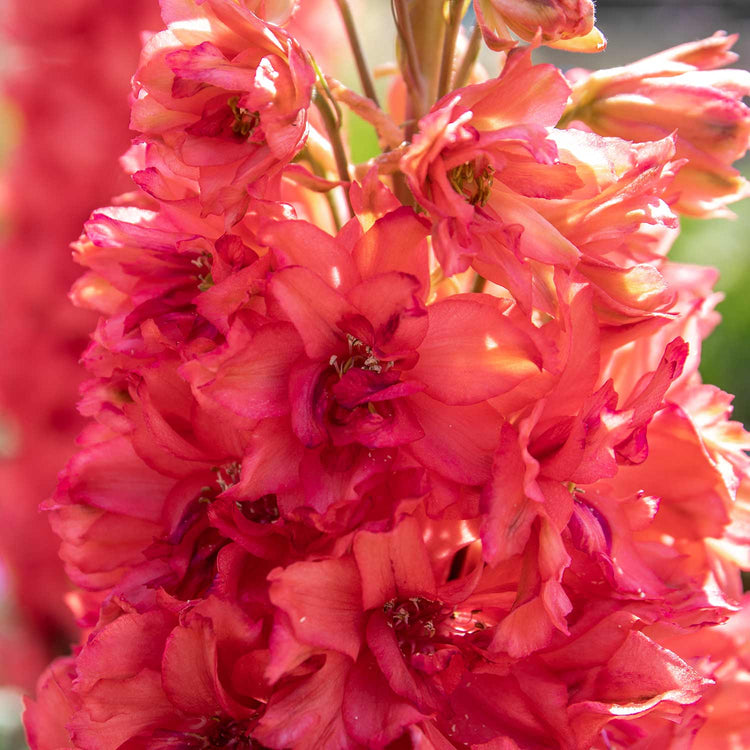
412, 453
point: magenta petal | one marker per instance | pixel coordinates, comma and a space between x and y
359, 386
422, 691
384, 425
309, 402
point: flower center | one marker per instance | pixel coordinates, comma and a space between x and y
231, 734
263, 510
203, 264
214, 733
473, 183
361, 356
228, 475
424, 626
245, 121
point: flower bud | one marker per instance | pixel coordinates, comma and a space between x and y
677, 90
566, 24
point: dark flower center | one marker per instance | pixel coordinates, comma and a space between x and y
361, 356
214, 733
425, 626
472, 182
245, 121
263, 510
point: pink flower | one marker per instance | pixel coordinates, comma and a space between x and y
677, 90
230, 102
566, 24
478, 138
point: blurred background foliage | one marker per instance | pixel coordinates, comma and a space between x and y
725, 245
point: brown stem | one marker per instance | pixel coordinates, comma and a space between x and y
470, 57
368, 85
319, 170
457, 10
409, 70
334, 134
428, 23
479, 283
401, 189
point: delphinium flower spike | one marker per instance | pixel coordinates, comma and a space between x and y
432, 469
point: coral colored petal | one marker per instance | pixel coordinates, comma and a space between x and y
472, 352
323, 601
507, 512
391, 303
306, 713
314, 308
112, 477
188, 669
395, 242
103, 655
394, 564
384, 647
299, 243
254, 382
119, 709
459, 440
373, 714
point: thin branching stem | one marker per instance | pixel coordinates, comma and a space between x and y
405, 32
368, 85
456, 12
333, 129
319, 170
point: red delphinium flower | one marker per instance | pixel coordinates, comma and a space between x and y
187, 676
511, 196
481, 136
363, 361
354, 503
227, 93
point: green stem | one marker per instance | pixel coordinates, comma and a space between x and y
368, 85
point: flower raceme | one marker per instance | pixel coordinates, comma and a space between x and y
434, 469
